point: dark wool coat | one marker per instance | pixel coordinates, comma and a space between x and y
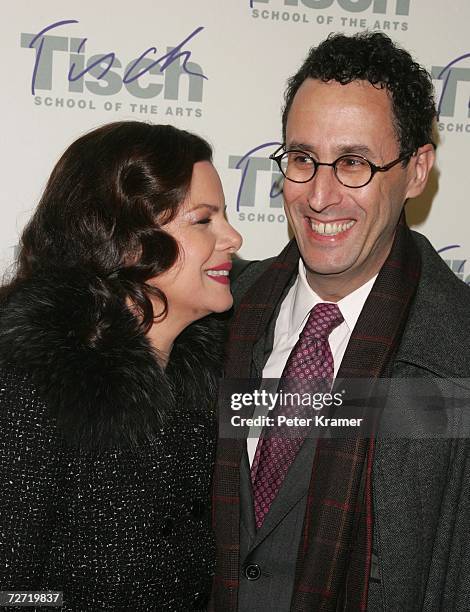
105, 460
420, 486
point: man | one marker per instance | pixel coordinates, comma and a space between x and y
347, 524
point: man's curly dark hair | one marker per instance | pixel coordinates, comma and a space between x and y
373, 57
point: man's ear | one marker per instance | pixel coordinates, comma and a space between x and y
419, 167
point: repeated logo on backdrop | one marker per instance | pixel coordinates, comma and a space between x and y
258, 174
453, 82
385, 15
163, 80
453, 258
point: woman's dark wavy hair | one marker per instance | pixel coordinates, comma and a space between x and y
375, 58
104, 207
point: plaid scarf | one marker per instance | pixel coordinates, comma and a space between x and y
334, 557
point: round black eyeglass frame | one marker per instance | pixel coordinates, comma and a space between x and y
281, 151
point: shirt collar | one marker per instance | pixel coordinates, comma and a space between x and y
305, 299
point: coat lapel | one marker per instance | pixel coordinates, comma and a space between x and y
263, 347
251, 332
294, 488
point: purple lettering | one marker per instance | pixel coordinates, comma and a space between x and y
132, 73
41, 44
167, 59
109, 57
244, 168
446, 80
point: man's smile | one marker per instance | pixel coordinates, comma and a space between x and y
331, 228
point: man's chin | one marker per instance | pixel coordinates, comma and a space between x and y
333, 269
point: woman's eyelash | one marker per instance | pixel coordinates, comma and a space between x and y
204, 221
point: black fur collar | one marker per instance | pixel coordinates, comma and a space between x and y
103, 382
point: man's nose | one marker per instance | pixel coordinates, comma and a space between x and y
324, 189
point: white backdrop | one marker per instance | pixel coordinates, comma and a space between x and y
225, 80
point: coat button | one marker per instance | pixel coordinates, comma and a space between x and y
252, 571
197, 509
200, 601
168, 526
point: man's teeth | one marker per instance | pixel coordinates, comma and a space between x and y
217, 272
331, 229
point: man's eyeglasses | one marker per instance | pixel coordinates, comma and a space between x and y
351, 170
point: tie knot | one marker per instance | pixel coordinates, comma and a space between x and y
323, 319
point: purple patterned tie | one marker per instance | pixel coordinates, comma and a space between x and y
309, 368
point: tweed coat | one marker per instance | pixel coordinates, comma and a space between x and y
421, 488
105, 460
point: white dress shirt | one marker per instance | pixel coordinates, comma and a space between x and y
292, 317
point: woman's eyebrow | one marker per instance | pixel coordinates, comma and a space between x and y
212, 207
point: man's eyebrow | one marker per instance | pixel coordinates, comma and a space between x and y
359, 149
344, 149
299, 145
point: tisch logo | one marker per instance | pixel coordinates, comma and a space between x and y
353, 13
380, 7
453, 79
106, 74
256, 168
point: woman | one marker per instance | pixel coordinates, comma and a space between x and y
108, 375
